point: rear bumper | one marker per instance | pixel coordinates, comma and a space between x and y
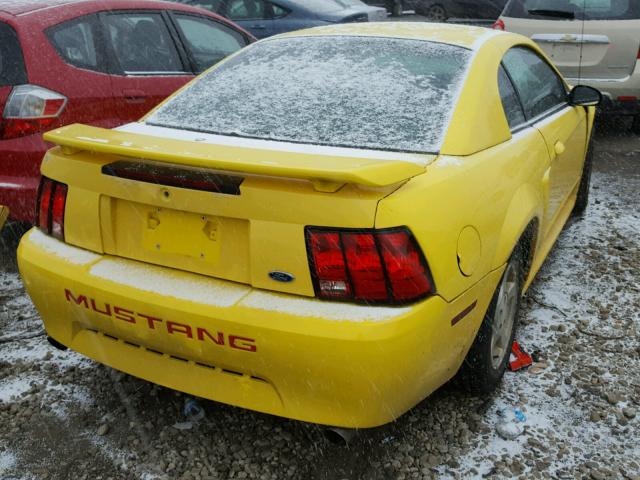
19, 194
320, 362
20, 160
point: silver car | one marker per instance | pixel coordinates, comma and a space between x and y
592, 42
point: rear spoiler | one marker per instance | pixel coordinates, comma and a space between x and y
327, 172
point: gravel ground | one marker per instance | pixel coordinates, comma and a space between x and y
66, 417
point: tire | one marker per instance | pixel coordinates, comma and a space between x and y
487, 359
394, 7
582, 198
635, 125
436, 13
397, 9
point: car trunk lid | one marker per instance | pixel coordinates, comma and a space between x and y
231, 212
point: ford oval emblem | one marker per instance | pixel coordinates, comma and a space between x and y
281, 276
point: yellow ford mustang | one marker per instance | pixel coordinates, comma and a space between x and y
327, 226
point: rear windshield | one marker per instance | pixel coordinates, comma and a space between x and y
582, 9
12, 71
376, 93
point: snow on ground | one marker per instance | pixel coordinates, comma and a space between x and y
63, 416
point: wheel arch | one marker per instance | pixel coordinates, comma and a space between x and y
521, 226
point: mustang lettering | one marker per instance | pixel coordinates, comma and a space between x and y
172, 328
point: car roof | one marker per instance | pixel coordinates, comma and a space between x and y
25, 7
460, 35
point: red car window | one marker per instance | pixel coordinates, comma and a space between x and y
12, 71
142, 43
208, 41
77, 43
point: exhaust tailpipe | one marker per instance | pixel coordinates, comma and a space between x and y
340, 436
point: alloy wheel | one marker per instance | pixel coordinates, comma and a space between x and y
505, 315
436, 13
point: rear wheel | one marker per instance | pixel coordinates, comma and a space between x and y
582, 198
635, 125
397, 9
394, 7
487, 359
436, 13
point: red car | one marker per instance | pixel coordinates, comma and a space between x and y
100, 62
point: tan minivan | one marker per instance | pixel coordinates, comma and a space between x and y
592, 42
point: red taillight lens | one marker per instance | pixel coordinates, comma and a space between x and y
57, 210
370, 266
330, 270
405, 267
30, 109
52, 201
498, 25
44, 204
365, 267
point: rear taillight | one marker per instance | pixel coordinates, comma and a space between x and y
30, 109
498, 25
52, 200
367, 266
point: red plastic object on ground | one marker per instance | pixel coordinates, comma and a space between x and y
519, 359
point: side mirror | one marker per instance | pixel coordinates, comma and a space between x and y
584, 96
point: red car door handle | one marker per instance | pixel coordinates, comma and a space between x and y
134, 96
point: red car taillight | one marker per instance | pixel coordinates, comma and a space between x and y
52, 200
498, 25
30, 109
368, 266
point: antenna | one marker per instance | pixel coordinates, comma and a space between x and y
584, 14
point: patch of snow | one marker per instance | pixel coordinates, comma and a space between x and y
7, 461
35, 349
170, 283
209, 138
91, 139
14, 387
346, 91
308, 307
445, 161
485, 37
71, 254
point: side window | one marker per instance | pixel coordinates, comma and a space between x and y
278, 11
538, 85
248, 10
142, 43
12, 71
77, 43
207, 41
510, 100
215, 6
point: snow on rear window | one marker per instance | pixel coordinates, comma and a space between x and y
362, 92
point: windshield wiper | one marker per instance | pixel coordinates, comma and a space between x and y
553, 13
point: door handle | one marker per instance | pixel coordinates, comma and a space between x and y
134, 96
559, 148
259, 27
